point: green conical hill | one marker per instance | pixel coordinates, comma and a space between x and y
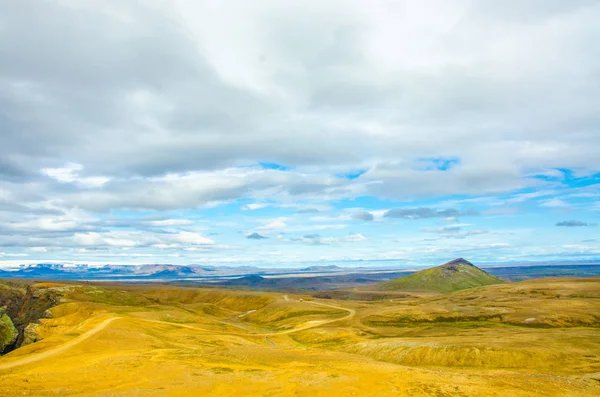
451, 276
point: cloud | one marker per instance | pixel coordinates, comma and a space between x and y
426, 213
363, 216
445, 229
38, 249
554, 203
321, 227
9, 254
201, 188
170, 222
455, 231
254, 206
47, 224
314, 239
256, 236
70, 174
104, 239
311, 236
317, 239
143, 116
354, 238
273, 224
573, 224
191, 238
447, 103
308, 208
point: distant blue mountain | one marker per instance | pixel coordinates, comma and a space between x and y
165, 272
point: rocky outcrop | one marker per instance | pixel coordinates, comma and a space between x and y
30, 334
11, 297
23, 307
8, 331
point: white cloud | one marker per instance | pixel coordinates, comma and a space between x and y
9, 254
274, 224
171, 222
191, 238
354, 238
378, 215
166, 246
101, 239
38, 249
70, 174
554, 203
254, 206
205, 188
46, 224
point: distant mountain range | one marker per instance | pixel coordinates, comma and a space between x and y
162, 271
329, 268
308, 282
84, 272
314, 277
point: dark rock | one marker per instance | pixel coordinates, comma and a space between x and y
24, 307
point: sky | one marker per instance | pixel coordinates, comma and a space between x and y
278, 132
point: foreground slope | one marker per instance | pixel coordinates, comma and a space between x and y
531, 338
452, 276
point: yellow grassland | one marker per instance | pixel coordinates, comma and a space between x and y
533, 338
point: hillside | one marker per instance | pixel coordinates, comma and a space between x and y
452, 276
529, 338
537, 337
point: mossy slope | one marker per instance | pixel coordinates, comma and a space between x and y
452, 276
8, 332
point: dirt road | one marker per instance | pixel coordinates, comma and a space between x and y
351, 313
68, 345
58, 349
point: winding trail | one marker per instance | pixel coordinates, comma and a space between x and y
86, 335
58, 349
351, 314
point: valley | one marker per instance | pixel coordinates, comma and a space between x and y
529, 338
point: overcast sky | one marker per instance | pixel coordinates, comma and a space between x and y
286, 131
